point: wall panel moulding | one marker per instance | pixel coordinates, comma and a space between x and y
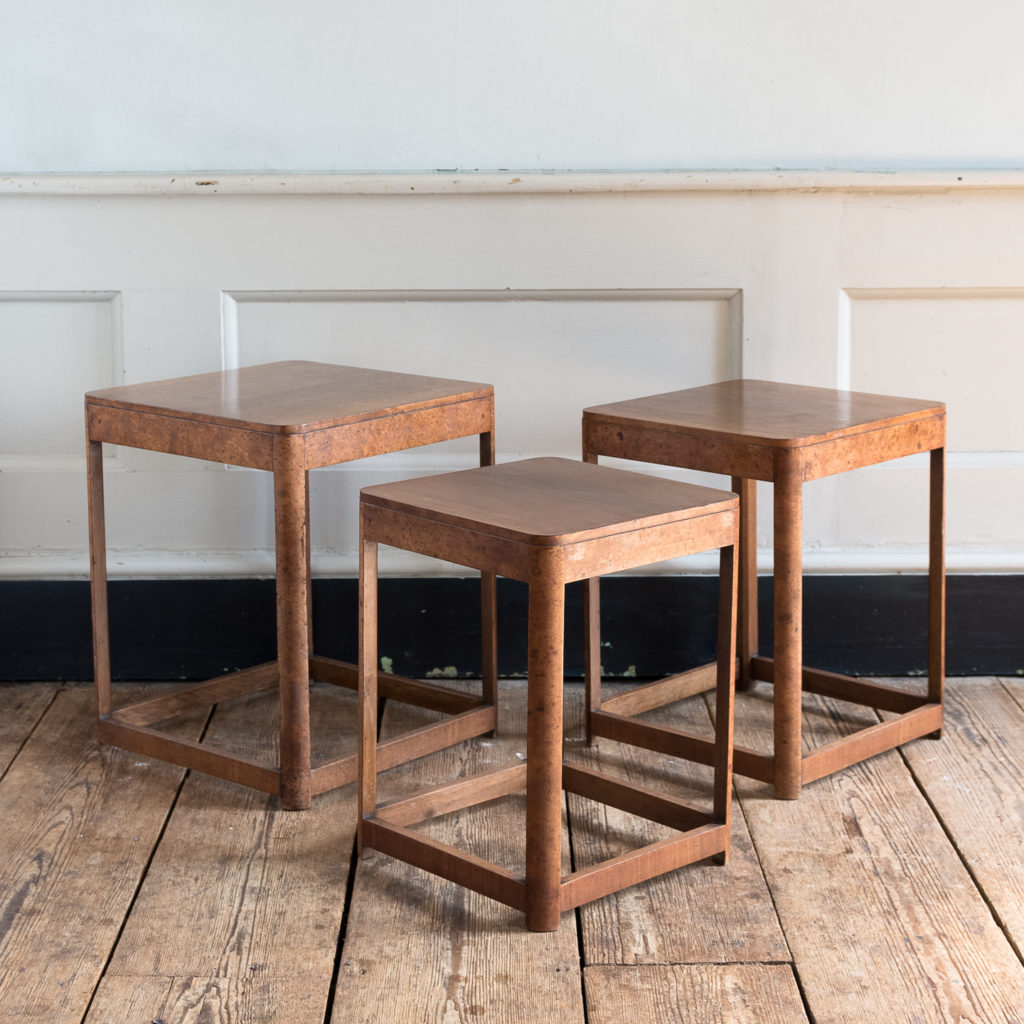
508, 182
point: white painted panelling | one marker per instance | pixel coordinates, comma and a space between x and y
398, 183
171, 332
883, 512
560, 299
958, 239
551, 352
53, 348
960, 344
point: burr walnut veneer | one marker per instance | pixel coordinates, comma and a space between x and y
286, 418
755, 430
546, 522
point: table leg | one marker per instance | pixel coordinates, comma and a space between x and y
592, 649
937, 578
367, 771
309, 571
747, 623
292, 614
98, 579
788, 654
488, 607
544, 742
727, 599
591, 626
726, 650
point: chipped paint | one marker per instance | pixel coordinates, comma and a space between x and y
448, 672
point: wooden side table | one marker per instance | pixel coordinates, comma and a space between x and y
286, 418
756, 430
546, 522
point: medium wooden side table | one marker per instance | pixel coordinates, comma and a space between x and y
787, 434
286, 418
546, 522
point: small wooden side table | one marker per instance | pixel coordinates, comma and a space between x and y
286, 418
756, 430
546, 522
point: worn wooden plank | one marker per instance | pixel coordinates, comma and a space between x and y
694, 994
80, 823
973, 779
244, 1000
702, 913
882, 918
23, 704
241, 888
419, 948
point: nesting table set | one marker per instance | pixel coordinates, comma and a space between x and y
546, 522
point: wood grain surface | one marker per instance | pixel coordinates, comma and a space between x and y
239, 886
767, 413
549, 500
888, 892
243, 1000
419, 948
974, 779
80, 824
23, 706
702, 913
696, 994
290, 396
881, 915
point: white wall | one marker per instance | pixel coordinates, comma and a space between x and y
467, 84
560, 298
563, 289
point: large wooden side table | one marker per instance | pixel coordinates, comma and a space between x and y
546, 522
756, 430
286, 418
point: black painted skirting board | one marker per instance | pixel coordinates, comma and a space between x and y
196, 629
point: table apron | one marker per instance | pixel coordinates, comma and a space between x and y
193, 439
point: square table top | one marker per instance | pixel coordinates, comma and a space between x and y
293, 396
549, 501
766, 413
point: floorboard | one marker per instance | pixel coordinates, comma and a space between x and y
241, 890
696, 994
974, 780
80, 824
883, 920
421, 949
702, 913
131, 891
23, 705
234, 1000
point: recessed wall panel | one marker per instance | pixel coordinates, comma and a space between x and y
548, 354
53, 348
961, 347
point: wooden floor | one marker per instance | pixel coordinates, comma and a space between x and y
131, 891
